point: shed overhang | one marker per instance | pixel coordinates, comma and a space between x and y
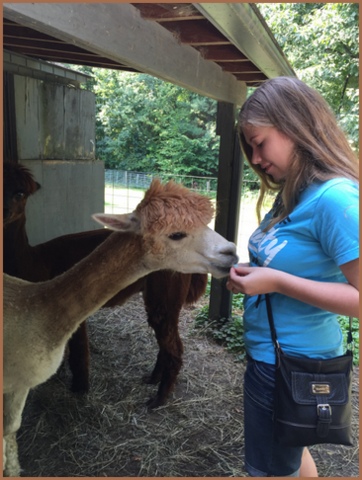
214, 49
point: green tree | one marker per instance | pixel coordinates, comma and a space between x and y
187, 142
321, 41
146, 124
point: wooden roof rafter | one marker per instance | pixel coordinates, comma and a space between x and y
197, 46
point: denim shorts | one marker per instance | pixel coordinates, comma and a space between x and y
264, 456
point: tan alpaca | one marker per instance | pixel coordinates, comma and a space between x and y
168, 230
164, 292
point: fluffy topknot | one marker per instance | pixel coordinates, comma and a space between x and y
170, 207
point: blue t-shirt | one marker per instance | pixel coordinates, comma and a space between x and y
319, 235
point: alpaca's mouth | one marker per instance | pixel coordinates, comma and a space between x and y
224, 270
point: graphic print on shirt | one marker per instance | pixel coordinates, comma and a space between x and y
265, 243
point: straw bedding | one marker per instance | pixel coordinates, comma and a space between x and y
109, 432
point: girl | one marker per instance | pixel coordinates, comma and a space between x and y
304, 253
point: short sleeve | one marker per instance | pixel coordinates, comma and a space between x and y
336, 221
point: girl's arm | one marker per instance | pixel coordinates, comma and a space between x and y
340, 298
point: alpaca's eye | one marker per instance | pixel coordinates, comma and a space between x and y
177, 236
19, 195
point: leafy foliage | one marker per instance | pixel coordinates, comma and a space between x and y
229, 331
321, 41
146, 124
344, 323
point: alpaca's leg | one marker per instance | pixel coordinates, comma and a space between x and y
79, 359
164, 296
13, 408
169, 362
14, 403
10, 456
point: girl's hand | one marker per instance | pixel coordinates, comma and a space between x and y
339, 298
253, 280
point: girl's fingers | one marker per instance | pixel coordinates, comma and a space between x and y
239, 272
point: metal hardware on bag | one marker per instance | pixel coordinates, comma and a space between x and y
322, 407
321, 388
324, 422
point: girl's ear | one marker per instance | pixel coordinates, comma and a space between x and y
127, 222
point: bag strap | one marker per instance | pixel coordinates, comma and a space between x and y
271, 320
272, 330
274, 333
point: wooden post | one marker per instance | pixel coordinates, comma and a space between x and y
228, 200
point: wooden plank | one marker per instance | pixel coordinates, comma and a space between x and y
51, 119
251, 77
118, 32
224, 53
87, 137
239, 67
27, 117
169, 12
196, 32
244, 26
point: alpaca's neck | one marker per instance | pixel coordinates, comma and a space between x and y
87, 286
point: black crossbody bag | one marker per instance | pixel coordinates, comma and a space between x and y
312, 397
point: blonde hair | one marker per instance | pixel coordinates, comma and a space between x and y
321, 150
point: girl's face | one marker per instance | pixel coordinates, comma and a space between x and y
272, 150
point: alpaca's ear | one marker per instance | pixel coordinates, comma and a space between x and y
127, 222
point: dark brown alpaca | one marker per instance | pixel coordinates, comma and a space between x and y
164, 292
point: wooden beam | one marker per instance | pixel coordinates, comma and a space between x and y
221, 53
239, 67
244, 26
198, 32
228, 200
118, 32
167, 12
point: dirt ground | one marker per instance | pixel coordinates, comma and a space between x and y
109, 432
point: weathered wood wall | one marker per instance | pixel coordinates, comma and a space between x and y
71, 191
54, 136
53, 121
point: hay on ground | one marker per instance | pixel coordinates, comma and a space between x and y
110, 432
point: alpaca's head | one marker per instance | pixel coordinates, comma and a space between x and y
173, 223
170, 207
18, 185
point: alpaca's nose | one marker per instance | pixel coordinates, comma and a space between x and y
230, 251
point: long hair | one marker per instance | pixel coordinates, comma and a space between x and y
321, 150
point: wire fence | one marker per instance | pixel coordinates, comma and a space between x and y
124, 190
127, 179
